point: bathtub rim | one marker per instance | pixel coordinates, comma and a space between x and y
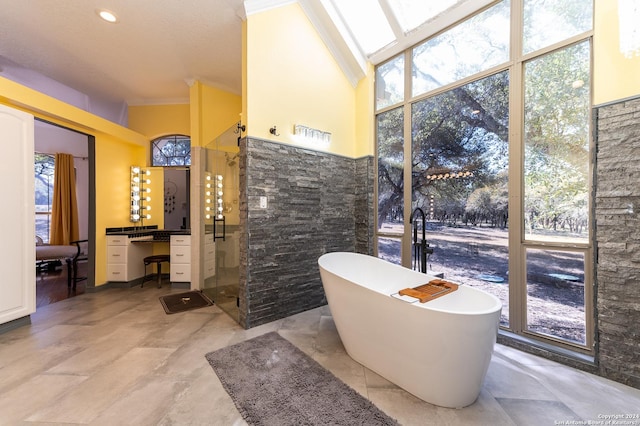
433, 305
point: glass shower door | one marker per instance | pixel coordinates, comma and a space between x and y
222, 220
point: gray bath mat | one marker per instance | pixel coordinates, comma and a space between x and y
274, 383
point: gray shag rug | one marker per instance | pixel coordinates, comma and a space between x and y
272, 382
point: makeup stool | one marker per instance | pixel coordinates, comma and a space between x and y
157, 259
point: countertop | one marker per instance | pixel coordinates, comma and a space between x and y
147, 231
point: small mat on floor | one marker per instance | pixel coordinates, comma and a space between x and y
272, 382
180, 302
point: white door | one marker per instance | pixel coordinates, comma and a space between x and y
17, 216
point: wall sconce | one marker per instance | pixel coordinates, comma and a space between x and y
312, 136
140, 194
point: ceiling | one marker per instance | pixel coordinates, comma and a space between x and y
147, 57
159, 46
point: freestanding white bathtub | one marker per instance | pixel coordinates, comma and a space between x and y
439, 350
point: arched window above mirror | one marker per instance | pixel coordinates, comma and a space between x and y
172, 150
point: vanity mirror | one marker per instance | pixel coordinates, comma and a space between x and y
160, 196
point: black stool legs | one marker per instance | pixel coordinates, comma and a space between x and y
157, 259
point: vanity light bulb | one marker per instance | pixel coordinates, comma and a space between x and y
220, 209
136, 217
135, 207
136, 179
219, 200
135, 188
220, 216
208, 177
208, 200
136, 197
148, 216
147, 172
148, 181
208, 185
208, 193
148, 207
220, 193
208, 209
148, 190
220, 185
219, 177
208, 216
148, 199
135, 170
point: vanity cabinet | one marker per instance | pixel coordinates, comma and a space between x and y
180, 250
125, 259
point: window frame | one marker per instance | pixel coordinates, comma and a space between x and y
518, 245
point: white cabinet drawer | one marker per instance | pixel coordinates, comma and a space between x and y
209, 269
117, 240
181, 240
117, 272
116, 254
180, 254
180, 273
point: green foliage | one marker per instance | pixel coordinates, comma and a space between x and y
466, 130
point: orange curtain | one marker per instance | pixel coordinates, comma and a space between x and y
64, 209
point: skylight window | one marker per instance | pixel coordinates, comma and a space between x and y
413, 13
367, 22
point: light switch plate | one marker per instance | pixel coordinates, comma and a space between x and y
263, 202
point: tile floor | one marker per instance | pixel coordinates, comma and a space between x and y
115, 358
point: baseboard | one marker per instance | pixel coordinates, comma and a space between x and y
16, 323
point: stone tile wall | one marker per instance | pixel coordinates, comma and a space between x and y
617, 225
312, 199
364, 208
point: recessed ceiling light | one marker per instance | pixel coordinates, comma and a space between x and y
107, 15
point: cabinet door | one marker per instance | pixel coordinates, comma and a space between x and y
17, 225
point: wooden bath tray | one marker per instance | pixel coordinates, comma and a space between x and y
429, 291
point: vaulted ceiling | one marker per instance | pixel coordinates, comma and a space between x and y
158, 46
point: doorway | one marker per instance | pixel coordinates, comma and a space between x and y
49, 139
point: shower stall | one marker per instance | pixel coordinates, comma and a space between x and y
222, 220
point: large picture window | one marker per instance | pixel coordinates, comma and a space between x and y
460, 178
497, 117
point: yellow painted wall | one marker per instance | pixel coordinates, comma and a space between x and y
212, 112
155, 121
292, 78
220, 110
117, 148
615, 77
